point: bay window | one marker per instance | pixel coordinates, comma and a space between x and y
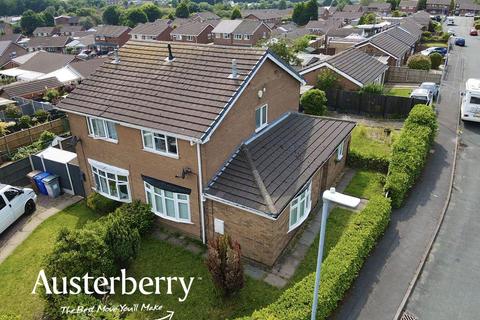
160, 143
300, 207
102, 129
168, 204
110, 181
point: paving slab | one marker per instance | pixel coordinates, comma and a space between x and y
254, 272
275, 280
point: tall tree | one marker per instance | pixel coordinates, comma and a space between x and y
152, 11
48, 18
311, 9
133, 16
298, 15
111, 15
421, 4
30, 21
282, 5
182, 10
236, 14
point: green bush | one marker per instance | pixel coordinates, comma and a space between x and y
41, 115
9, 317
43, 142
376, 88
327, 79
339, 269
410, 152
138, 215
122, 238
101, 204
436, 59
25, 121
374, 162
418, 61
477, 26
426, 34
13, 112
314, 102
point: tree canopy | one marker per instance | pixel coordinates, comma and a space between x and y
236, 14
152, 11
182, 10
112, 15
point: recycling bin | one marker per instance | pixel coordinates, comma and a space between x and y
40, 185
31, 177
52, 184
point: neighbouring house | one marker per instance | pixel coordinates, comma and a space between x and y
14, 37
352, 8
50, 44
408, 6
326, 12
70, 30
412, 27
45, 31
343, 38
204, 16
196, 32
420, 17
267, 16
353, 67
468, 7
108, 38
84, 43
385, 45
347, 17
240, 32
322, 27
206, 114
29, 89
289, 31
438, 6
380, 8
158, 30
67, 21
404, 36
5, 29
85, 68
8, 51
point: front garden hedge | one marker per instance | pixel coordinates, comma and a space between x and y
374, 162
340, 268
410, 152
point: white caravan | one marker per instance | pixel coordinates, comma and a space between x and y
470, 109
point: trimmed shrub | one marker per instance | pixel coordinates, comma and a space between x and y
376, 88
426, 34
101, 204
327, 79
436, 59
122, 238
372, 162
138, 215
477, 26
410, 152
339, 269
314, 102
225, 264
25, 121
420, 62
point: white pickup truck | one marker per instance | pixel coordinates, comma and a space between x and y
470, 108
14, 202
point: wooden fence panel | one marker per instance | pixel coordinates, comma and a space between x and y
406, 75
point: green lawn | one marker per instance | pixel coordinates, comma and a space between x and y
399, 92
372, 140
365, 184
19, 271
435, 44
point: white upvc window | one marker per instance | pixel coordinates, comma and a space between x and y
238, 37
300, 207
189, 38
246, 37
160, 143
226, 36
110, 181
167, 204
102, 129
340, 150
261, 117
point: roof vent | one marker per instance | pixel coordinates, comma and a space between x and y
170, 57
234, 74
116, 56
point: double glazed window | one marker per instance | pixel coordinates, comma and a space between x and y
161, 143
110, 181
102, 129
340, 151
226, 36
300, 207
168, 204
261, 117
246, 37
238, 37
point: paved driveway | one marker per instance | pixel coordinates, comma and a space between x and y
449, 286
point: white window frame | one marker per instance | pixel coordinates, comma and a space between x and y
303, 198
152, 135
189, 38
263, 117
340, 150
226, 36
237, 37
104, 124
247, 37
152, 193
110, 174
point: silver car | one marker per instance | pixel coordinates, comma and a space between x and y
432, 87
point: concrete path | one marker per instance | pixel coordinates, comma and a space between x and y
386, 275
24, 226
448, 287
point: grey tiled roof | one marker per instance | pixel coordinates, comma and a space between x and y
193, 28
266, 173
184, 97
421, 17
48, 30
150, 28
352, 8
87, 67
247, 26
390, 44
440, 2
402, 35
48, 42
265, 14
110, 31
22, 88
408, 3
413, 27
380, 5
46, 62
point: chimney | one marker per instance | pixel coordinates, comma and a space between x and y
170, 57
116, 56
234, 74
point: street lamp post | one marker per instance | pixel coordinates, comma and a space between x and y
335, 197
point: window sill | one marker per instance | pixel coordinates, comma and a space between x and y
106, 195
103, 139
171, 219
173, 156
261, 128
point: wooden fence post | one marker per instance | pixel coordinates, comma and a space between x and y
30, 135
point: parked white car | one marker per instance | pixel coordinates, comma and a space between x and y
422, 94
14, 202
450, 21
470, 108
430, 86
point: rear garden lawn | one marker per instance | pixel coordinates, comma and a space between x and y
366, 184
399, 92
373, 140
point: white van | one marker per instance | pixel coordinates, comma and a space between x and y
450, 21
470, 109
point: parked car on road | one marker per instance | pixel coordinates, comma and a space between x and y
432, 87
422, 94
460, 42
429, 51
470, 108
470, 14
473, 32
14, 202
450, 21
